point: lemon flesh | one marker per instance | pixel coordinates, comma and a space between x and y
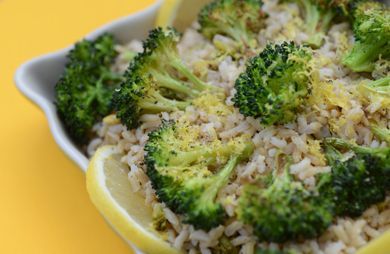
179, 13
110, 191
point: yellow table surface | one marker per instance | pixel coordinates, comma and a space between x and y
44, 206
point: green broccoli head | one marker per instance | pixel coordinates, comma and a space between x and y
371, 27
187, 173
162, 42
317, 17
284, 211
355, 183
153, 82
274, 84
241, 20
85, 89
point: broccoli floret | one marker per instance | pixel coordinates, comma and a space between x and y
381, 132
355, 183
275, 83
317, 17
152, 82
240, 20
187, 173
371, 27
85, 89
284, 211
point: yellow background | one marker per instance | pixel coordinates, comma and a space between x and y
44, 207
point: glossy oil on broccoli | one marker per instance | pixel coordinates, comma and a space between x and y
371, 27
85, 89
284, 211
356, 182
317, 17
240, 20
157, 80
275, 83
187, 173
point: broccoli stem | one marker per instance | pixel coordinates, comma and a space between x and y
158, 103
93, 93
167, 81
381, 133
362, 56
240, 34
183, 69
286, 177
317, 36
186, 158
209, 155
220, 179
381, 86
326, 20
336, 142
129, 55
108, 75
316, 22
332, 154
99, 92
312, 15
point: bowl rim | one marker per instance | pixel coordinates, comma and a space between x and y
21, 81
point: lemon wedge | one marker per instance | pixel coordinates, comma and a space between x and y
179, 13
380, 245
110, 191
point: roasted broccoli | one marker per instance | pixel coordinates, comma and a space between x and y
284, 211
240, 20
371, 27
275, 83
317, 17
85, 89
356, 182
187, 173
153, 81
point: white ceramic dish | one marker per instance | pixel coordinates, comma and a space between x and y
36, 78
